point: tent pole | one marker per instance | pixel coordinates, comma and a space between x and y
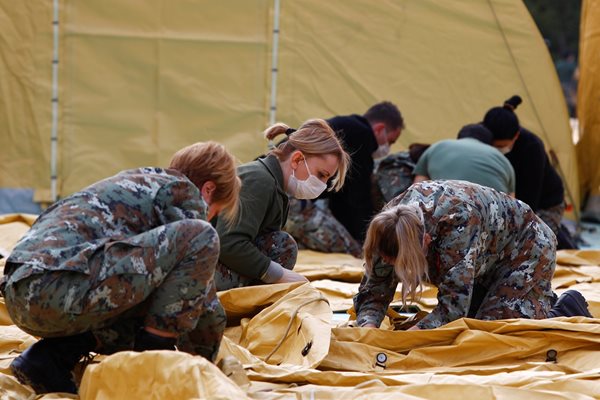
274, 61
54, 133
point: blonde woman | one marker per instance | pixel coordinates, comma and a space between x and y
255, 250
488, 254
126, 263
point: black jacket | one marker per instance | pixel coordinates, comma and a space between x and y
353, 205
538, 184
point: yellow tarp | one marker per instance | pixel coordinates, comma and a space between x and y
12, 227
313, 358
139, 79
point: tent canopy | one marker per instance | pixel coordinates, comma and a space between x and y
140, 79
588, 104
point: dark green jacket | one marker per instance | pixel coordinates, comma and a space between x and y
263, 209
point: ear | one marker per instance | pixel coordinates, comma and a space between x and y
207, 190
379, 131
296, 158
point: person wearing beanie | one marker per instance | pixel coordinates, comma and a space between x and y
467, 158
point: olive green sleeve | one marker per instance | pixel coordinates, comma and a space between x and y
238, 250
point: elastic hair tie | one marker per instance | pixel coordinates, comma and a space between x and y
289, 131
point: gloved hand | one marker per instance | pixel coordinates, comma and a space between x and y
291, 276
277, 274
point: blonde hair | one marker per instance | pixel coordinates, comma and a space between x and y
314, 138
210, 161
398, 232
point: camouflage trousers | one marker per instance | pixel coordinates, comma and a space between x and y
521, 287
316, 228
552, 216
279, 246
162, 279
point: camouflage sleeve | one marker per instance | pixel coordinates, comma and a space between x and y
375, 293
458, 249
179, 200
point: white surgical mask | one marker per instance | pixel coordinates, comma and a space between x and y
505, 149
311, 188
382, 151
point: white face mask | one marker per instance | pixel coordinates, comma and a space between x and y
505, 149
382, 151
311, 188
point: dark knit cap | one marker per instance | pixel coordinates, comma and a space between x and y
476, 131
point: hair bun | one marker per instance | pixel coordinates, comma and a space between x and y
513, 102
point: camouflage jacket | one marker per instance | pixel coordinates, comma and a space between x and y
115, 209
474, 230
392, 176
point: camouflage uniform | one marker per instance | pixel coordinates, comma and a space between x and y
392, 176
279, 246
316, 228
126, 252
484, 242
552, 216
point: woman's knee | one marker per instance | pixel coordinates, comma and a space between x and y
280, 247
199, 235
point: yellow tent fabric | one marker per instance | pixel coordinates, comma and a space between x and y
588, 102
140, 79
172, 375
294, 330
468, 358
12, 227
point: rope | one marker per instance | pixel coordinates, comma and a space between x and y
289, 326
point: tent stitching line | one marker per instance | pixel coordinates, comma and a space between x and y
514, 60
535, 111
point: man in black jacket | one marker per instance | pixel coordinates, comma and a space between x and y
365, 137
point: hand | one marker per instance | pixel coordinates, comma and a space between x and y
291, 276
369, 326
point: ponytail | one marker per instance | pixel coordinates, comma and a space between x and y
275, 130
512, 103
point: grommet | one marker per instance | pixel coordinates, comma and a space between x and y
551, 355
380, 360
306, 349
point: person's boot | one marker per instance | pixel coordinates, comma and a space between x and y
46, 366
145, 340
570, 304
